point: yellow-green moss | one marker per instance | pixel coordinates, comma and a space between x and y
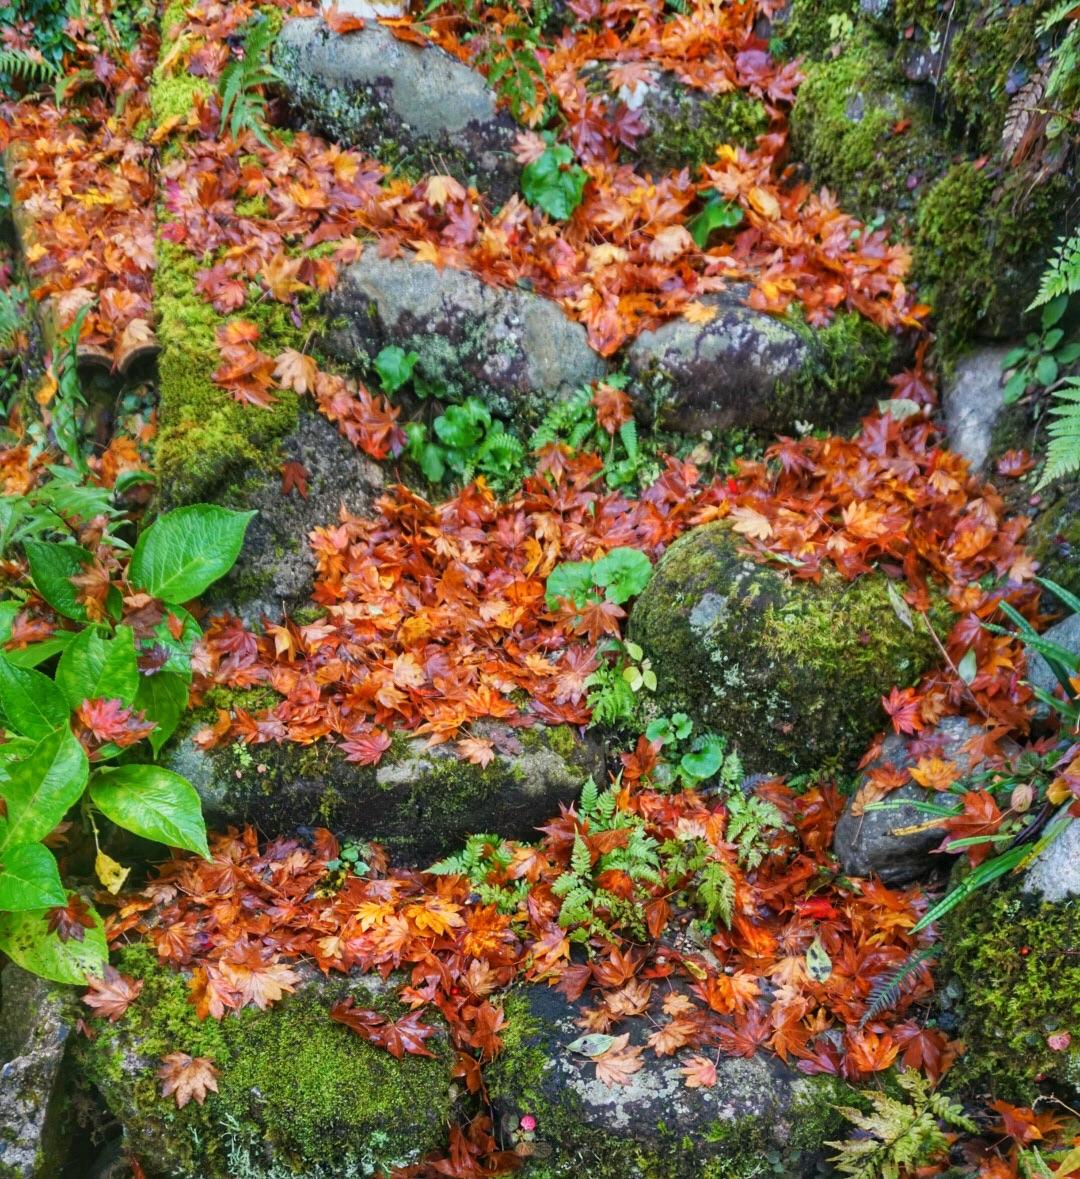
688, 134
842, 128
1013, 958
793, 672
1054, 539
808, 27
290, 1077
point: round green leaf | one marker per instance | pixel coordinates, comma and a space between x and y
33, 704
93, 666
623, 572
26, 939
571, 579
29, 879
153, 802
187, 550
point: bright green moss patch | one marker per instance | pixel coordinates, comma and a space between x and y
1015, 962
313, 1093
687, 131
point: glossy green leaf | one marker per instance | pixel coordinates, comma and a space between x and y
52, 566
29, 879
41, 787
26, 939
93, 666
163, 698
33, 704
571, 579
187, 550
152, 802
623, 573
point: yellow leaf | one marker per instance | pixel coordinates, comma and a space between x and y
762, 201
110, 873
696, 312
751, 523
46, 391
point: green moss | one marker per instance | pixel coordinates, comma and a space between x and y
289, 1077
1054, 539
978, 249
809, 26
1012, 957
792, 672
688, 131
842, 128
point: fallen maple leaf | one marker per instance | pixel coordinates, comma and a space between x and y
618, 1063
187, 1078
294, 475
699, 1073
751, 523
113, 994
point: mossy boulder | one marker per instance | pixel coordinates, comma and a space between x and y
760, 1117
421, 802
514, 349
792, 671
411, 106
746, 368
36, 1020
1054, 539
1011, 969
296, 1091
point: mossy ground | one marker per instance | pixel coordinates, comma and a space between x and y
316, 1093
792, 673
1014, 958
690, 131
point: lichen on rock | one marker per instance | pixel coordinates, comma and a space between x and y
791, 671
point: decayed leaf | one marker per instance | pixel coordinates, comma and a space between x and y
111, 995
617, 1065
187, 1078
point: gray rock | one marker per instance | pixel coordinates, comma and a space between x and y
654, 1125
746, 368
512, 348
866, 845
36, 1018
275, 570
1055, 875
1065, 633
973, 404
409, 105
420, 802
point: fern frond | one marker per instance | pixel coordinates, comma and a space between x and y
1063, 433
1062, 273
17, 63
628, 434
886, 991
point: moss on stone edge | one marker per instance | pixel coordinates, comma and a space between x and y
325, 1099
1054, 540
688, 134
793, 673
1010, 955
842, 128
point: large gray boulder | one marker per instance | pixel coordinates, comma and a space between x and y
866, 844
1065, 633
421, 802
36, 1019
1055, 874
411, 106
746, 368
973, 403
512, 348
655, 1125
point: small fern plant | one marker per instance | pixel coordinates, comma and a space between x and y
898, 1135
1062, 273
243, 103
1063, 432
20, 66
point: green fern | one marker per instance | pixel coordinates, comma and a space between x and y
25, 67
1063, 433
886, 990
1062, 273
243, 105
11, 316
898, 1135
716, 891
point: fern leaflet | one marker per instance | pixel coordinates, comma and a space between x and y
1063, 450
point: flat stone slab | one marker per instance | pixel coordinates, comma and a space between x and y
406, 104
512, 348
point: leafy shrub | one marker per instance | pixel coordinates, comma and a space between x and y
554, 182
113, 686
465, 441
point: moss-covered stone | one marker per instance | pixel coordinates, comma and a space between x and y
1054, 539
792, 671
419, 802
759, 1120
1013, 959
686, 127
295, 1089
842, 127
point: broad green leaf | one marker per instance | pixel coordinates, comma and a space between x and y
163, 697
9, 611
1053, 311
52, 566
33, 704
571, 579
717, 214
623, 573
29, 879
968, 667
1046, 371
1015, 386
187, 550
554, 183
818, 962
704, 762
40, 788
178, 649
93, 666
1068, 354
594, 1044
26, 939
152, 802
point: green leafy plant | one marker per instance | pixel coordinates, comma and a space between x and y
1039, 360
587, 909
465, 441
111, 689
620, 575
395, 367
18, 65
1062, 93
243, 103
1062, 274
1063, 433
691, 759
751, 822
717, 213
554, 182
706, 878
613, 689
897, 1135
485, 860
